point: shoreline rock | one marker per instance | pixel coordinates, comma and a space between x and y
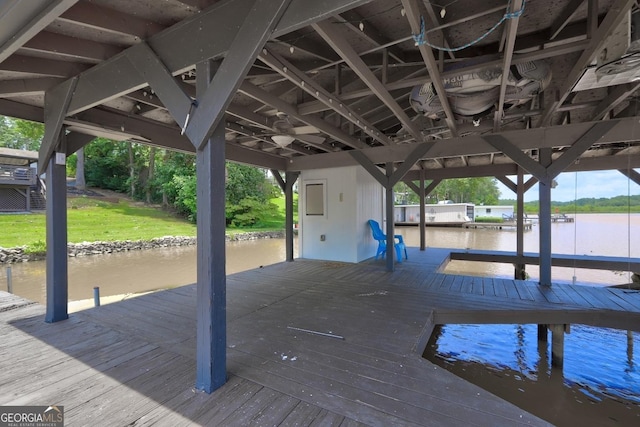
17, 254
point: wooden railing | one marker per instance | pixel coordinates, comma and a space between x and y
17, 175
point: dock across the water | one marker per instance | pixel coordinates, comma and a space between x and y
506, 225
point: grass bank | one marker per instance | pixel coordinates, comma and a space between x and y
91, 220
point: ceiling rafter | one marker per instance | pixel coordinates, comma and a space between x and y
510, 32
42, 66
614, 98
337, 134
298, 78
352, 19
70, 47
105, 19
613, 18
37, 19
413, 16
564, 18
340, 45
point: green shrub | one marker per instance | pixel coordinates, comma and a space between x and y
489, 219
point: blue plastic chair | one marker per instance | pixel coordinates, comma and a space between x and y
382, 241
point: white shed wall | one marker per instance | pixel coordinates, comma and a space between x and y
352, 197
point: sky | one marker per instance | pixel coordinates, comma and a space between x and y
589, 184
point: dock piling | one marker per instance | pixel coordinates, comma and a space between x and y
9, 281
96, 296
557, 345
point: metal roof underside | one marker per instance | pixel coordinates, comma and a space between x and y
338, 75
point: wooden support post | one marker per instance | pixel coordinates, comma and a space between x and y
211, 329
423, 196
544, 221
520, 268
390, 214
557, 345
57, 274
290, 179
9, 280
542, 333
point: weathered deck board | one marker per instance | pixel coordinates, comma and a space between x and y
138, 354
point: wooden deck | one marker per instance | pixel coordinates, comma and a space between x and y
132, 362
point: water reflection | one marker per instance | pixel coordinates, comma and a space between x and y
598, 384
139, 271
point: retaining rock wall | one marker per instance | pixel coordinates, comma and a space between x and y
14, 255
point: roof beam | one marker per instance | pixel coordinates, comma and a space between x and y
631, 174
352, 19
563, 19
613, 18
613, 99
41, 66
300, 79
510, 32
9, 88
70, 47
102, 18
327, 30
522, 139
413, 16
323, 126
183, 45
40, 15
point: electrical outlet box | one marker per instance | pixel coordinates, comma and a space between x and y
323, 237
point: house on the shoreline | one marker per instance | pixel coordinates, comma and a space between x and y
21, 190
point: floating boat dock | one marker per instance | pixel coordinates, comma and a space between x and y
308, 343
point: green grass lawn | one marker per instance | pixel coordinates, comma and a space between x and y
91, 220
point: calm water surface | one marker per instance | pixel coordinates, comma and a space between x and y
140, 271
599, 384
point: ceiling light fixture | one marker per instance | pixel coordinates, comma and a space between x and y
282, 140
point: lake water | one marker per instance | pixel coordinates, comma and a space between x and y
140, 271
598, 385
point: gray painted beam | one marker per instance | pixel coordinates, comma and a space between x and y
563, 19
39, 14
56, 235
211, 328
615, 15
152, 70
278, 178
76, 141
70, 48
521, 158
390, 214
41, 66
544, 220
160, 134
520, 190
291, 178
208, 34
327, 30
413, 16
631, 174
617, 95
370, 167
99, 18
25, 87
507, 183
418, 153
579, 147
300, 79
256, 29
510, 33
422, 194
56, 105
337, 134
523, 139
352, 18
530, 183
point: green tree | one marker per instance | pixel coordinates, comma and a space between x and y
20, 134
